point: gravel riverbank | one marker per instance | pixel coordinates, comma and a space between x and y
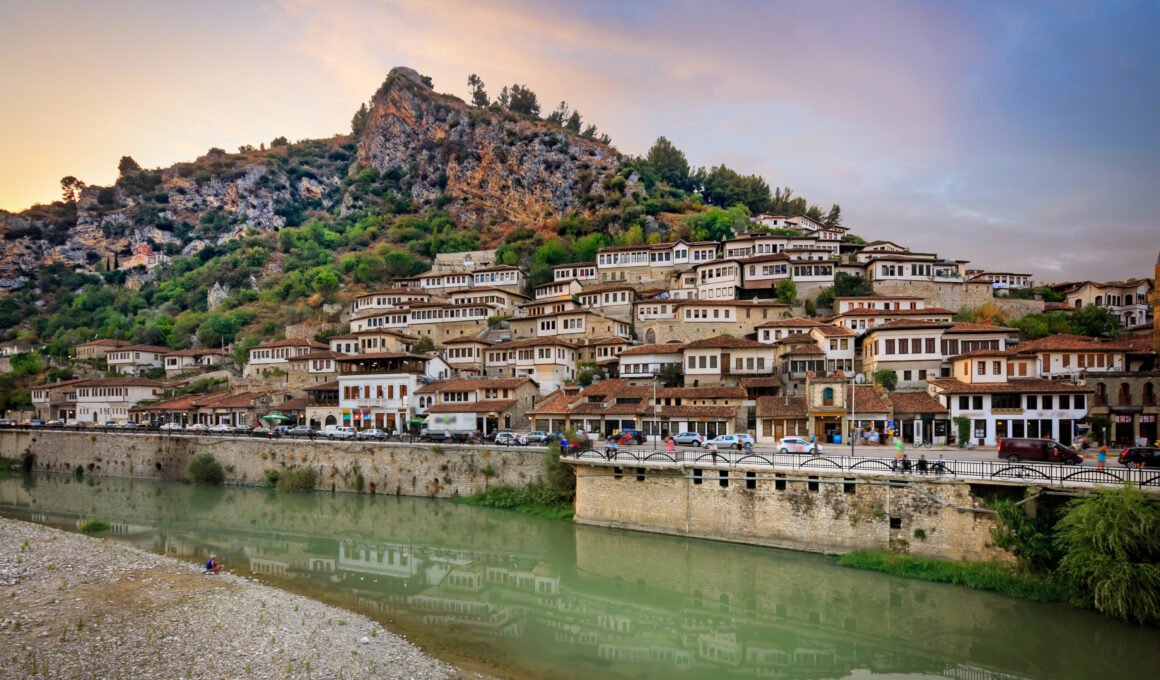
78, 607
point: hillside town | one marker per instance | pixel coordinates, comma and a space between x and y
664, 338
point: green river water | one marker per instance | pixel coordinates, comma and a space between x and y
523, 597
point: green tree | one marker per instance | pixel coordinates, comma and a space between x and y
128, 166
584, 248
669, 163
717, 224
217, 330
834, 217
724, 187
423, 344
847, 285
785, 291
71, 188
573, 123
585, 372
523, 101
1111, 553
887, 378
326, 282
478, 93
672, 375
1094, 321
358, 122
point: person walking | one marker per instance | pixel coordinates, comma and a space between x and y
922, 464
669, 444
1102, 457
899, 454
713, 451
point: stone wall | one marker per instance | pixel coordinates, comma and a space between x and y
952, 296
835, 514
399, 469
1017, 309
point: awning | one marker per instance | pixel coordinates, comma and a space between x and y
276, 416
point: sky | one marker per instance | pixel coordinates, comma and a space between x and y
1019, 136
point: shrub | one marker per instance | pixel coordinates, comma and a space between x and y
204, 469
27, 461
92, 526
1111, 553
272, 476
298, 479
977, 575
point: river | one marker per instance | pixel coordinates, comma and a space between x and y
523, 597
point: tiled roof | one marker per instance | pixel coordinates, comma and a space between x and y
790, 323
291, 342
467, 340
239, 400
104, 342
798, 339
1021, 385
556, 402
724, 342
865, 311
496, 405
331, 386
980, 353
914, 402
123, 382
667, 348
781, 407
532, 342
320, 354
608, 391
964, 327
803, 349
299, 404
906, 324
724, 412
195, 353
181, 403
868, 399
472, 384
764, 381
143, 348
833, 331
1066, 342
380, 355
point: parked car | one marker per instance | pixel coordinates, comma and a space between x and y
509, 438
1016, 449
689, 439
736, 441
221, 427
1147, 456
55, 422
174, 427
536, 437
371, 433
798, 445
36, 422
7, 422
198, 427
302, 431
338, 432
108, 423
130, 425
631, 436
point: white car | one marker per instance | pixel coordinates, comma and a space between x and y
221, 427
736, 441
797, 445
171, 426
198, 427
339, 432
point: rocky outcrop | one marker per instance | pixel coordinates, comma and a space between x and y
493, 169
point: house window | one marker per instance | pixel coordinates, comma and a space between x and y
997, 367
828, 396
982, 368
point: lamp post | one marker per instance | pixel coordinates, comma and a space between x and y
855, 380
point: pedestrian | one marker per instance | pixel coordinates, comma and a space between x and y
713, 451
905, 464
899, 454
1102, 457
212, 566
940, 465
922, 463
814, 443
669, 444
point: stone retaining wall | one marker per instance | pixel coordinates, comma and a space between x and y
445, 471
836, 514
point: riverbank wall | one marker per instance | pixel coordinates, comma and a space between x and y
433, 471
819, 512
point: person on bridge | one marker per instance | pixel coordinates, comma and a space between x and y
1102, 457
922, 464
899, 454
669, 444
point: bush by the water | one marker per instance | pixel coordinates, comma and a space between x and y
550, 497
977, 575
298, 479
272, 476
204, 469
1111, 553
92, 526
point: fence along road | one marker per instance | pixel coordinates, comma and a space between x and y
1034, 474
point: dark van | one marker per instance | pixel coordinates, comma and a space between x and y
1017, 449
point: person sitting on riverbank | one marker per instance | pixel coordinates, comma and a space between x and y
212, 566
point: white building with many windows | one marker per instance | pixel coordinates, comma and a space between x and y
109, 400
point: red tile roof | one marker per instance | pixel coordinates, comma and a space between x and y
781, 407
488, 406
667, 348
964, 327
915, 402
467, 340
291, 342
724, 342
1021, 385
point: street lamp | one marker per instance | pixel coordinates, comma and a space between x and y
855, 380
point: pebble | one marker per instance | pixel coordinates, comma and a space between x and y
153, 616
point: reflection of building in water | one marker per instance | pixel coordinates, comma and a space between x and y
382, 559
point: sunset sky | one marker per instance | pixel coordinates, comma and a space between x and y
1020, 136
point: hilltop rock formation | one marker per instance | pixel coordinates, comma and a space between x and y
492, 169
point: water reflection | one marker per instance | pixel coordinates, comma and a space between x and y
548, 599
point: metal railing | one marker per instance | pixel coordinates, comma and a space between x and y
1029, 473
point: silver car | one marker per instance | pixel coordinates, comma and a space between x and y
689, 439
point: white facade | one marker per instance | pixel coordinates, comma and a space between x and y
135, 359
101, 401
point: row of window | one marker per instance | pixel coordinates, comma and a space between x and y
1030, 402
354, 392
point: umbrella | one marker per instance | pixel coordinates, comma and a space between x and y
276, 416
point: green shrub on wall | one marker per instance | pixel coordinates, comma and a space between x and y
204, 469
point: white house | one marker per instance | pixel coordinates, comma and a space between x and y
272, 357
135, 359
644, 362
1001, 406
549, 361
377, 390
102, 401
191, 360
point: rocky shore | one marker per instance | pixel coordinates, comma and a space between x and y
78, 607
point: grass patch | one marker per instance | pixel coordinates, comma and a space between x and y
298, 479
529, 500
93, 526
977, 575
7, 467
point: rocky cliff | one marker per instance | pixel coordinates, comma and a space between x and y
494, 170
